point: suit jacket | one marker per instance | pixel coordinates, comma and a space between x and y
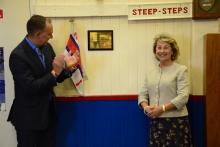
33, 84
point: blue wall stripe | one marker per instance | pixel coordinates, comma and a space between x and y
113, 123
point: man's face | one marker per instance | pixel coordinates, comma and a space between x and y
45, 35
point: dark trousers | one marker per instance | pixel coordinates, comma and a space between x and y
36, 138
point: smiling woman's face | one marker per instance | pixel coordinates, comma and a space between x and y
163, 51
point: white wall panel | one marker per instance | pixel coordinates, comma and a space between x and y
82, 8
199, 29
120, 71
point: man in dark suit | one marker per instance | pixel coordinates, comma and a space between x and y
36, 70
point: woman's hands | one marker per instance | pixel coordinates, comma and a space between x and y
153, 111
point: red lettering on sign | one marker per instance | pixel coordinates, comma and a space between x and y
139, 11
151, 11
165, 11
180, 9
145, 11
154, 10
1, 13
169, 10
175, 10
185, 10
134, 12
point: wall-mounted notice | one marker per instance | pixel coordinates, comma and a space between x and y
162, 10
2, 80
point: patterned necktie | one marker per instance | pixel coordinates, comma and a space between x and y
42, 58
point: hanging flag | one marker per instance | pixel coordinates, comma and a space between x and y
78, 75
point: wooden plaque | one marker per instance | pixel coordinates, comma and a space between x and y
206, 9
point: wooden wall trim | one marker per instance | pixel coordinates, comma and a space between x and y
112, 97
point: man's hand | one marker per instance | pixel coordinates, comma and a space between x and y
58, 64
71, 61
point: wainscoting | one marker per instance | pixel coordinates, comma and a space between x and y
114, 121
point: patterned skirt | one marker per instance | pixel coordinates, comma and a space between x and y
170, 132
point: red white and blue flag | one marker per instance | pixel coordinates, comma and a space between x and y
78, 75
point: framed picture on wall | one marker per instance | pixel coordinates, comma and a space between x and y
206, 9
100, 40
